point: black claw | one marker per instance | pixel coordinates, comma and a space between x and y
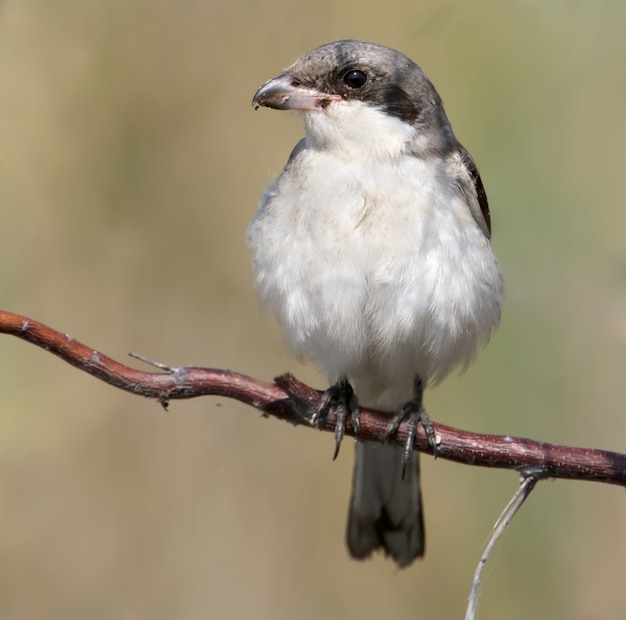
356, 417
340, 427
411, 431
413, 412
341, 398
431, 436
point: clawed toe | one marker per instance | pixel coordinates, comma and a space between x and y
413, 413
340, 398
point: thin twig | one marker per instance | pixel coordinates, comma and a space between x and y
506, 516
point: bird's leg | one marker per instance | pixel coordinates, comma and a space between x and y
341, 398
413, 412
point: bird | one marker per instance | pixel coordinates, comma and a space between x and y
372, 248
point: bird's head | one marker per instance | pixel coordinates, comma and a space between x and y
357, 96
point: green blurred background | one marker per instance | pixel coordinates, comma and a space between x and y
131, 162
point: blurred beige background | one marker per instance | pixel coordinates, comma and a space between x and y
131, 162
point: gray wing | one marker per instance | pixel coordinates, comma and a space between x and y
472, 187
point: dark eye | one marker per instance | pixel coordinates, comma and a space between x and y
355, 78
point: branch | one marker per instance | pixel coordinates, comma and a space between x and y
289, 399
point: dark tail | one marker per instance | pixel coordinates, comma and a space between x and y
385, 510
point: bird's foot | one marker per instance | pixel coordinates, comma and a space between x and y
413, 413
340, 398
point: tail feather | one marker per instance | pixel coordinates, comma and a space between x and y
385, 510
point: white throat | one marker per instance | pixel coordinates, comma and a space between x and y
354, 129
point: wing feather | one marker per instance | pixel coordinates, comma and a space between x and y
472, 187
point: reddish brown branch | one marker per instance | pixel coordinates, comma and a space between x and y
289, 399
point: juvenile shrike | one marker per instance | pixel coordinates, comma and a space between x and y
372, 248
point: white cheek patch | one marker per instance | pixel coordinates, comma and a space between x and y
355, 129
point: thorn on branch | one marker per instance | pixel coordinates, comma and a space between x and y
146, 360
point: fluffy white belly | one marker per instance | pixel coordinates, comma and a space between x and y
375, 272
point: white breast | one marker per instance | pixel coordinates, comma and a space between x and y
374, 266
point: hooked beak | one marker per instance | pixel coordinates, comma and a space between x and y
286, 93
